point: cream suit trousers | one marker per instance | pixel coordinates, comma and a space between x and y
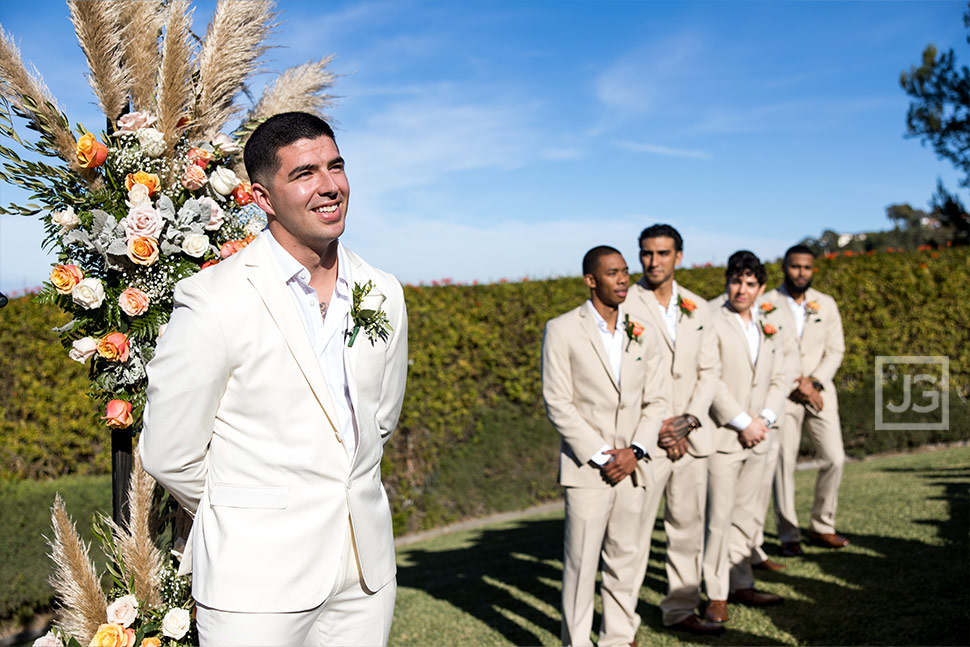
826, 433
683, 484
602, 524
349, 616
758, 554
733, 483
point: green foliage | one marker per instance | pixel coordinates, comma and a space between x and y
473, 436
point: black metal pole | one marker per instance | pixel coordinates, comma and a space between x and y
121, 464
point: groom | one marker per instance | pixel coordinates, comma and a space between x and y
268, 426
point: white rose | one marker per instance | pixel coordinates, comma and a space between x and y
83, 348
66, 219
372, 302
216, 214
223, 181
89, 293
161, 330
225, 144
137, 194
175, 624
152, 141
134, 120
49, 639
123, 611
195, 245
143, 220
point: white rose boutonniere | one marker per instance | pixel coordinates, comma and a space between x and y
366, 313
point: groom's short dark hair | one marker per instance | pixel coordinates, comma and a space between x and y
591, 260
744, 263
275, 133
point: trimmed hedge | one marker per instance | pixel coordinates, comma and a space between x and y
473, 436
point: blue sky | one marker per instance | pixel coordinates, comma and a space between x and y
490, 140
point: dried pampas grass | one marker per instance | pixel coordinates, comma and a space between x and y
141, 25
83, 603
175, 78
96, 25
297, 89
233, 44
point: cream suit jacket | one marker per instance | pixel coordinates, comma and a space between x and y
822, 344
694, 368
586, 405
238, 428
744, 387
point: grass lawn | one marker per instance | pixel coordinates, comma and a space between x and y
905, 580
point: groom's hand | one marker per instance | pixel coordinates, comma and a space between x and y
623, 463
675, 429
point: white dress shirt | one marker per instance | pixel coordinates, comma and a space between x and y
751, 333
670, 313
613, 345
797, 311
326, 335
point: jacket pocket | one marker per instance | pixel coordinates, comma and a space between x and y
245, 496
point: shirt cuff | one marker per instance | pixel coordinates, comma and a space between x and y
640, 447
740, 421
601, 458
769, 416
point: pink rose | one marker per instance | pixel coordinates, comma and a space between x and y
114, 347
134, 120
216, 214
133, 302
194, 177
118, 414
143, 221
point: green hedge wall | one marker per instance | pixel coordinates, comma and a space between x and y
472, 436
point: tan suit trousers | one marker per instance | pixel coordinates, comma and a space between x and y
734, 481
826, 433
683, 484
758, 554
602, 524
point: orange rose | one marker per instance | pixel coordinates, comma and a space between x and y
118, 415
133, 302
233, 246
143, 250
199, 157
767, 307
637, 329
243, 194
112, 635
154, 641
150, 180
209, 263
689, 305
65, 277
768, 329
90, 152
114, 347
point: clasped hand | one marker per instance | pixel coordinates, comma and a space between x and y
623, 463
754, 433
673, 435
806, 393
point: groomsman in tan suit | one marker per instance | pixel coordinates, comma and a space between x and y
814, 317
678, 463
606, 394
751, 391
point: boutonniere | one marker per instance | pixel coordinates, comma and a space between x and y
768, 307
812, 308
366, 313
768, 330
634, 331
686, 306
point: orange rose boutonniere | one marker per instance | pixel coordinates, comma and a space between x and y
811, 309
634, 331
768, 330
768, 307
686, 306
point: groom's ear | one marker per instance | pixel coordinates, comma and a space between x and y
261, 196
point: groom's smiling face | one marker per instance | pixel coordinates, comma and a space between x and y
308, 195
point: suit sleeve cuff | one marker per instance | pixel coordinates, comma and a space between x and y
740, 421
601, 458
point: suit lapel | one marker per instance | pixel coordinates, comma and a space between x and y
734, 325
595, 338
786, 313
264, 277
653, 311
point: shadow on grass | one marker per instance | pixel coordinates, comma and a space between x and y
887, 590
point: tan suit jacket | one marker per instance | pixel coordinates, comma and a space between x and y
238, 428
695, 366
587, 406
744, 387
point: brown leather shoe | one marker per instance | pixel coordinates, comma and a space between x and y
753, 598
699, 626
827, 539
769, 565
717, 611
792, 549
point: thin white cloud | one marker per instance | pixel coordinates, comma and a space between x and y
657, 149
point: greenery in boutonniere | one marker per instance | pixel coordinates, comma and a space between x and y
634, 331
366, 314
686, 306
767, 308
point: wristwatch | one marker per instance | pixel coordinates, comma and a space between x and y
818, 385
637, 452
